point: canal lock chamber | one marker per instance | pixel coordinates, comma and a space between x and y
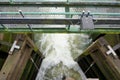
91, 64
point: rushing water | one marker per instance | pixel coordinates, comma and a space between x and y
59, 51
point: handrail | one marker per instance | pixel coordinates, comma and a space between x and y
63, 21
58, 13
62, 3
63, 30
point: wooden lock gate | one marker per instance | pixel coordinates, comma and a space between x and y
105, 57
18, 57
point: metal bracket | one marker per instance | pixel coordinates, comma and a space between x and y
111, 51
24, 17
14, 46
87, 21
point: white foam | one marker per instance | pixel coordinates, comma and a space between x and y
57, 48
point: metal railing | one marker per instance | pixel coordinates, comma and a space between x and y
61, 3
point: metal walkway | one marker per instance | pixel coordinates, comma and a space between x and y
85, 21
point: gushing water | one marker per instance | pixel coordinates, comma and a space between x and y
59, 51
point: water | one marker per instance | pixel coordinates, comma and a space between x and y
58, 50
